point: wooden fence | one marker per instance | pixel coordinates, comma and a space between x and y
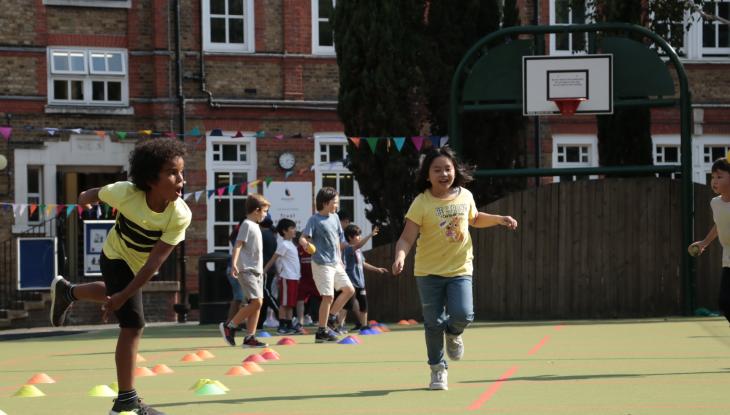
587, 249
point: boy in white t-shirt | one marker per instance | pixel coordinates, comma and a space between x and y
286, 259
720, 205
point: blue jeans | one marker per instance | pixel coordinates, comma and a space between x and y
448, 306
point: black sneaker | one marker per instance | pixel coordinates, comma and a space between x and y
332, 322
251, 341
229, 335
136, 407
283, 329
60, 303
326, 336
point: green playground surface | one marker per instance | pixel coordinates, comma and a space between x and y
648, 366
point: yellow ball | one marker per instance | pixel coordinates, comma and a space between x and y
311, 249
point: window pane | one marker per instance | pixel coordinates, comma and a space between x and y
347, 207
98, 62
722, 40
218, 30
33, 181
561, 41
671, 154
115, 62
239, 209
230, 152
235, 31
60, 62
60, 89
235, 7
346, 185
579, 42
562, 11
572, 154
325, 34
322, 153
217, 6
114, 91
97, 91
708, 35
221, 179
723, 10
77, 62
222, 208
336, 153
329, 180
77, 90
239, 178
325, 9
578, 12
220, 235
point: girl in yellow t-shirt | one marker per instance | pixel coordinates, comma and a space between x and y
441, 214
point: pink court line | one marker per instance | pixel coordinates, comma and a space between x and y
493, 388
539, 345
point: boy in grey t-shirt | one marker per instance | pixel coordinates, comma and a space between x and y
323, 229
247, 266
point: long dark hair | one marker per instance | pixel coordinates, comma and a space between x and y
462, 172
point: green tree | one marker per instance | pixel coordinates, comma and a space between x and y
378, 44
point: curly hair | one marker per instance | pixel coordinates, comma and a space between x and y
149, 157
462, 172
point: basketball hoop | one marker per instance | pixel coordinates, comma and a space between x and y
567, 106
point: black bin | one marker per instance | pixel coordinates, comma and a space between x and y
214, 289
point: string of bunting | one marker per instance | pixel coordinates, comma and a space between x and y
372, 142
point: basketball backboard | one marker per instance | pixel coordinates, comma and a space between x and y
548, 80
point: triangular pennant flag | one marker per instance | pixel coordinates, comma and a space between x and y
220, 191
399, 142
32, 209
194, 132
417, 141
435, 140
51, 131
121, 134
145, 132
80, 209
197, 195
69, 209
268, 180
75, 130
444, 140
279, 136
98, 211
253, 184
170, 134
21, 211
106, 209
5, 131
216, 132
311, 168
260, 134
355, 141
287, 174
302, 171
238, 134
244, 185
210, 193
231, 188
372, 142
48, 209
100, 133
114, 212
59, 209
186, 196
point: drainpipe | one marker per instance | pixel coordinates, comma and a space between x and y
181, 308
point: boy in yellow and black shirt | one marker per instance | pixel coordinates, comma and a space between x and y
151, 221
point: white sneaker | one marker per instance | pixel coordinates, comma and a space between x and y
439, 378
454, 346
307, 321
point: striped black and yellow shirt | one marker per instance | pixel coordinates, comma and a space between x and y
138, 227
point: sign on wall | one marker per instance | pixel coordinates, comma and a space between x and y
95, 232
291, 200
37, 264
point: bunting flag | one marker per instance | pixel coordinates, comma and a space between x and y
260, 134
5, 131
372, 142
444, 140
435, 140
32, 209
268, 180
216, 132
51, 131
279, 136
220, 191
399, 142
100, 133
211, 193
288, 174
194, 132
238, 134
69, 209
243, 188
197, 195
122, 135
417, 141
355, 141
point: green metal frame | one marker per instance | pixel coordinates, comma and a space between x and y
509, 40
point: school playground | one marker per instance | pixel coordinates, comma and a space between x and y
637, 367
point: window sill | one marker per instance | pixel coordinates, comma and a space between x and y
119, 4
73, 109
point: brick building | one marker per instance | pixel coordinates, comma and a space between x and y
93, 68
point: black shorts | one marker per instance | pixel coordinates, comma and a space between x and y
362, 300
117, 275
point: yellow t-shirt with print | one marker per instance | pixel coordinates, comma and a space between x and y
137, 227
444, 244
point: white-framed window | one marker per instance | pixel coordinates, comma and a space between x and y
666, 151
96, 77
673, 32
715, 34
565, 12
323, 42
705, 150
228, 26
229, 162
574, 151
330, 150
34, 193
